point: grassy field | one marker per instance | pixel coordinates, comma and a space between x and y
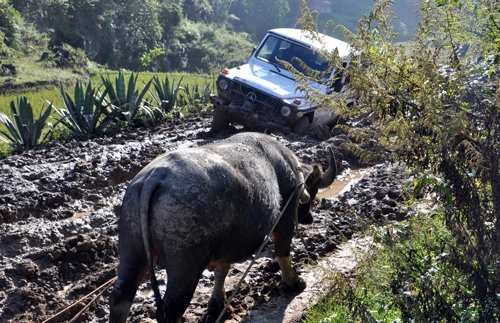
41, 82
39, 98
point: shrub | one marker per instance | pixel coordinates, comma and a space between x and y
166, 93
409, 278
434, 104
196, 98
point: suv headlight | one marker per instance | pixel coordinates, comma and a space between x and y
285, 111
223, 84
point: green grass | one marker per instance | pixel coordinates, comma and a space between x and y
40, 95
144, 77
364, 298
404, 273
37, 97
36, 74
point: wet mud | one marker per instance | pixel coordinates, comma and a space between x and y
59, 208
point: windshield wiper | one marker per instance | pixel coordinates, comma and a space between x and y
275, 64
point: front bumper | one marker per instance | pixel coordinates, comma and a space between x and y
248, 118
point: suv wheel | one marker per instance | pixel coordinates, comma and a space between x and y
300, 127
219, 120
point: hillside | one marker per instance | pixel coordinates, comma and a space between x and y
348, 13
182, 35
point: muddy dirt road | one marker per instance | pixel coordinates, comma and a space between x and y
58, 226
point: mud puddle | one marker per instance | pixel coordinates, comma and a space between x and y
77, 215
344, 182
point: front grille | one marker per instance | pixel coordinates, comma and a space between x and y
264, 103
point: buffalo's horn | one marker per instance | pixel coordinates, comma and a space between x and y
329, 175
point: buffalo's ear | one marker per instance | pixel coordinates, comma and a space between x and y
311, 173
306, 169
313, 176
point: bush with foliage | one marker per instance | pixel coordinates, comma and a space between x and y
180, 35
204, 48
404, 276
258, 16
434, 103
9, 20
196, 98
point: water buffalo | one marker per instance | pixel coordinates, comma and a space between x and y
206, 208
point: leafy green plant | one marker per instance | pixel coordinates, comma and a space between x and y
24, 132
166, 92
85, 113
408, 279
196, 98
125, 98
434, 105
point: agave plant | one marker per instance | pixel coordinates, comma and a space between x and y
25, 132
166, 93
85, 113
126, 99
196, 98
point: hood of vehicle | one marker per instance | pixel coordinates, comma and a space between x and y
267, 78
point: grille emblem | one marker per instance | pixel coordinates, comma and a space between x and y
251, 97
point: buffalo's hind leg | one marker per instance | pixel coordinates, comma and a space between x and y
181, 285
130, 276
218, 299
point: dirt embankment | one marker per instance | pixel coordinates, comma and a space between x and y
58, 227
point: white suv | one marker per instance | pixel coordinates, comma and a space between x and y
262, 94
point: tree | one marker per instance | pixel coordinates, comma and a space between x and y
435, 105
10, 21
125, 30
220, 11
294, 14
197, 10
170, 17
86, 25
204, 48
44, 14
258, 16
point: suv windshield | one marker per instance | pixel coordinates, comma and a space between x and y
275, 49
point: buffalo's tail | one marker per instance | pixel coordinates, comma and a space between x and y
148, 189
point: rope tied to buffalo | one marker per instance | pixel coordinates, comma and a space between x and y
102, 289
104, 286
254, 256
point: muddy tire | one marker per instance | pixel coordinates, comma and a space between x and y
300, 127
219, 120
